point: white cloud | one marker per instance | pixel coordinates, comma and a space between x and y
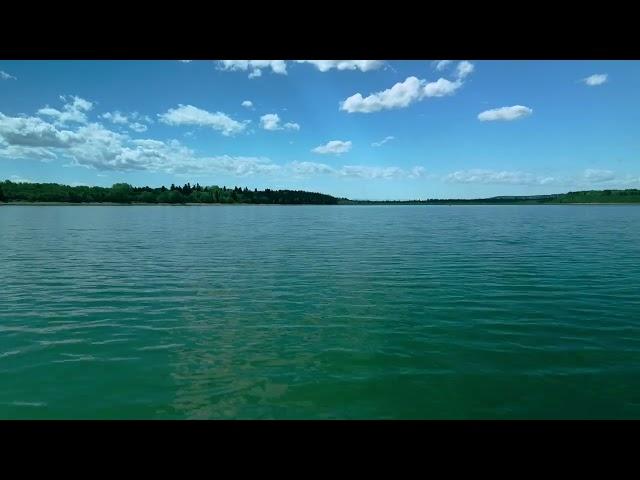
255, 66
442, 64
247, 104
138, 127
401, 95
185, 61
310, 168
505, 113
115, 117
271, 121
597, 176
371, 173
33, 132
120, 118
362, 65
190, 115
291, 126
73, 111
5, 76
19, 179
383, 141
307, 169
95, 146
464, 68
498, 177
441, 88
596, 79
334, 147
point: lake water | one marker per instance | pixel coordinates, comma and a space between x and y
320, 312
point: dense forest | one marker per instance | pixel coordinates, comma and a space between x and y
125, 193
175, 194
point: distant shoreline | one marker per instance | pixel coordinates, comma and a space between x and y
368, 204
196, 195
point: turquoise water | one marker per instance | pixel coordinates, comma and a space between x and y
320, 312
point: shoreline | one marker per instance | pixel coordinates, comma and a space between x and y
139, 204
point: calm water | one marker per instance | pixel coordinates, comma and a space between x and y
320, 312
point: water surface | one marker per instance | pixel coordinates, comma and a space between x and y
320, 312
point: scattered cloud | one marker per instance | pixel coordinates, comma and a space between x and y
333, 147
185, 61
464, 69
120, 118
115, 117
498, 177
19, 179
442, 64
596, 79
5, 76
598, 176
271, 121
401, 95
506, 114
254, 66
138, 127
307, 169
190, 115
247, 104
310, 168
383, 141
74, 110
362, 65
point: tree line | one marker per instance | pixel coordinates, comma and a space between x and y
175, 194
187, 193
588, 196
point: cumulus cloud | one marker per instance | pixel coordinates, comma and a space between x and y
440, 88
95, 146
442, 64
5, 76
464, 68
362, 65
33, 132
254, 66
271, 121
498, 177
333, 147
74, 110
190, 115
247, 104
401, 95
506, 114
383, 141
596, 79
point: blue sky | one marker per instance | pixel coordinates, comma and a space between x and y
356, 128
